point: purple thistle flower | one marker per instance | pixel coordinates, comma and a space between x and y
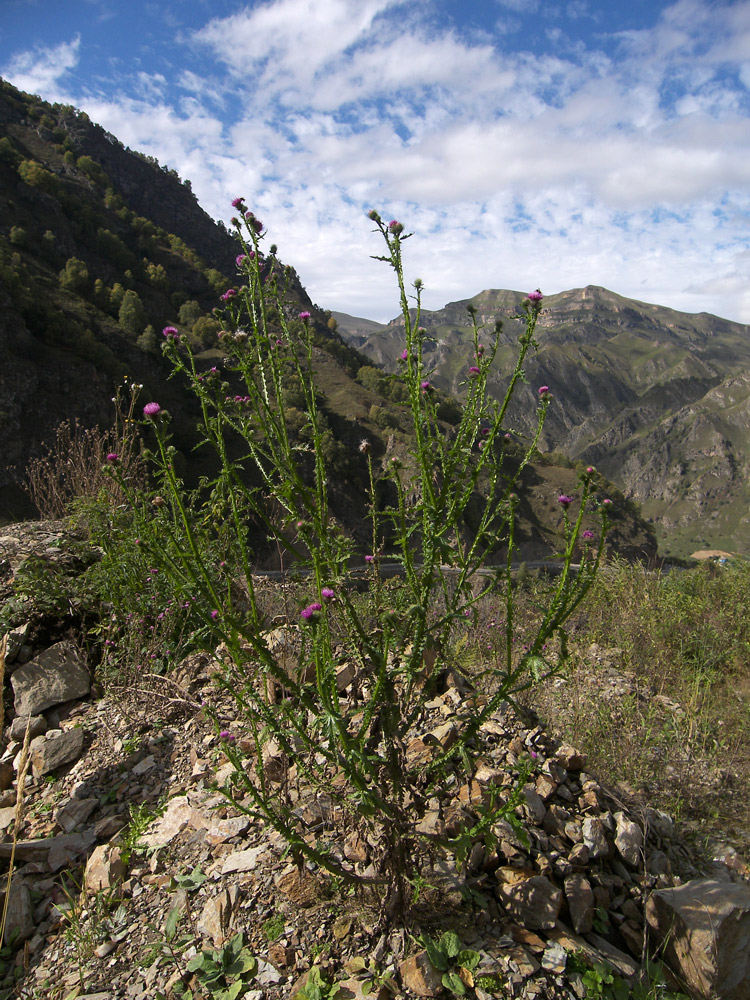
240, 259
425, 387
403, 355
327, 593
369, 559
473, 370
171, 333
304, 316
112, 456
238, 203
564, 499
310, 610
543, 390
588, 535
535, 296
214, 614
395, 227
228, 294
372, 214
590, 469
226, 735
607, 503
151, 410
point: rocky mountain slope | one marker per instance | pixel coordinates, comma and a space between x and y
655, 398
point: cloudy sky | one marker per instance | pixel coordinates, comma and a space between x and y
525, 143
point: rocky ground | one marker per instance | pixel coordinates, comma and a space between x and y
131, 861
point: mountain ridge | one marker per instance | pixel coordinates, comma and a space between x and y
631, 381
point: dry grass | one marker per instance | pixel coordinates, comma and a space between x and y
657, 692
75, 465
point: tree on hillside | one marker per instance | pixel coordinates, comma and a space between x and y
132, 315
74, 277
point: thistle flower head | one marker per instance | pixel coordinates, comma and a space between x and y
151, 410
535, 296
564, 499
543, 390
310, 610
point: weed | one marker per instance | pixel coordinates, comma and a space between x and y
455, 962
317, 987
422, 512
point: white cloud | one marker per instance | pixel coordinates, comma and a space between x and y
38, 70
623, 162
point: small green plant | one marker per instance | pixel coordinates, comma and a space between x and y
223, 973
273, 928
317, 987
601, 982
140, 817
455, 962
189, 881
90, 920
370, 977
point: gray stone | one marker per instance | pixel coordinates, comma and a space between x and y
37, 727
56, 675
533, 902
19, 925
55, 749
629, 840
703, 928
104, 869
595, 837
173, 821
580, 897
242, 861
73, 812
215, 920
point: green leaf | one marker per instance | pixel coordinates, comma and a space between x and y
454, 983
468, 959
450, 944
436, 956
170, 926
232, 993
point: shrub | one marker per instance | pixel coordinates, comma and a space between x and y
34, 174
74, 277
131, 315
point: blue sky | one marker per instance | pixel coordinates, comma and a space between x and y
525, 143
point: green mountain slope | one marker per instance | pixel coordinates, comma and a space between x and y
657, 399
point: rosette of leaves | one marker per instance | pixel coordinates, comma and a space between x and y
455, 962
224, 973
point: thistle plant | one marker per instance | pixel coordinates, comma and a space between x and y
346, 751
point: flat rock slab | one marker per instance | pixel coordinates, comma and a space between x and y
55, 749
704, 927
55, 676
